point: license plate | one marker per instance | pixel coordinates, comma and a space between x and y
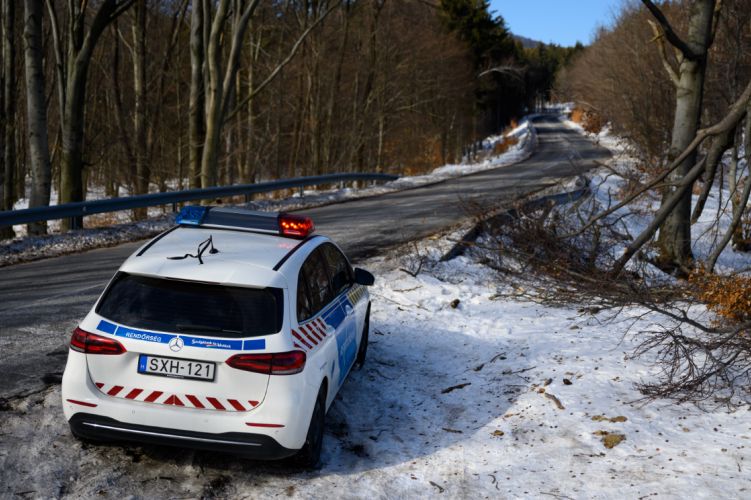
178, 368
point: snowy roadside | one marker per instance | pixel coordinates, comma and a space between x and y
607, 184
464, 394
116, 230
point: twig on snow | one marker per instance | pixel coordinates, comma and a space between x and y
454, 387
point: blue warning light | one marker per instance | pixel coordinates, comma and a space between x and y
191, 215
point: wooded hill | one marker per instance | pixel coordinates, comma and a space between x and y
147, 95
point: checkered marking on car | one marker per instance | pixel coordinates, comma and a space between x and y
310, 335
355, 294
183, 400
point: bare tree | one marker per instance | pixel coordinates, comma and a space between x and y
619, 93
219, 83
81, 41
8, 112
36, 109
736, 112
143, 170
674, 239
196, 118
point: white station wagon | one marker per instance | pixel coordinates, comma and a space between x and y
233, 331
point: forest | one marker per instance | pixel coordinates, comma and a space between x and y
136, 96
679, 95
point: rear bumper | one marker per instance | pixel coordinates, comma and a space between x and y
257, 446
287, 410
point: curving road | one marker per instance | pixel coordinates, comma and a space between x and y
40, 302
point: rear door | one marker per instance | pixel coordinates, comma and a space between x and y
342, 280
321, 314
178, 334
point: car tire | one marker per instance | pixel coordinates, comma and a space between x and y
309, 455
362, 351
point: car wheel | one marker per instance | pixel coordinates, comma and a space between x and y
362, 351
309, 455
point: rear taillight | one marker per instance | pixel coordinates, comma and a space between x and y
278, 363
91, 343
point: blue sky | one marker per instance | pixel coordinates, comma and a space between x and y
558, 21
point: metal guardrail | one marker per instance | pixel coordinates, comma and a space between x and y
83, 208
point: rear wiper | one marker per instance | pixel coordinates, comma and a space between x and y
204, 328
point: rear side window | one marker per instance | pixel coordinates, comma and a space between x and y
338, 268
304, 308
316, 277
192, 307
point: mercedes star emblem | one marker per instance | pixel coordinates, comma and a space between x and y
176, 344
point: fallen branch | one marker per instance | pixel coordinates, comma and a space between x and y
555, 400
455, 387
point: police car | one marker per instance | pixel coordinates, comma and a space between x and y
233, 331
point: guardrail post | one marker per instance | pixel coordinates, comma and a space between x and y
73, 223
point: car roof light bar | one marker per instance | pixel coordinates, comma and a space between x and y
294, 226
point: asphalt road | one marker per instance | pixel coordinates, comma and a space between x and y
41, 302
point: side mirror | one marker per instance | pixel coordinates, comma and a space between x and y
363, 277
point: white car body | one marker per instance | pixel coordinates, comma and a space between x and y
256, 414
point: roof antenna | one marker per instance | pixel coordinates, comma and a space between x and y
207, 243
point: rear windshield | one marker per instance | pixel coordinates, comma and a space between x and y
192, 307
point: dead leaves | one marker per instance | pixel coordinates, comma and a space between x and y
611, 440
603, 418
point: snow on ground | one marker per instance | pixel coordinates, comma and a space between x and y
485, 398
114, 228
706, 232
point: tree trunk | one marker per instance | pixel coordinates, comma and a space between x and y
71, 158
330, 141
249, 165
713, 159
39, 154
740, 242
8, 111
221, 84
674, 241
81, 44
214, 95
143, 170
196, 117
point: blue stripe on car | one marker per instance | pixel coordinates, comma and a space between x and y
253, 345
164, 338
107, 327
